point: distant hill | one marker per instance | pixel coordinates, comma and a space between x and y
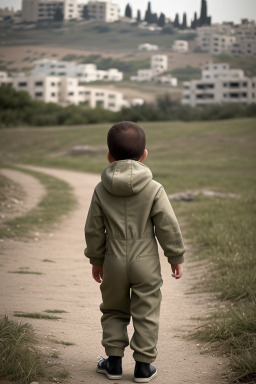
88, 35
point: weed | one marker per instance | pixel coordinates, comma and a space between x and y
67, 343
48, 261
19, 358
55, 355
36, 315
55, 311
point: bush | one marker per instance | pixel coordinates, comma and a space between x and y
18, 109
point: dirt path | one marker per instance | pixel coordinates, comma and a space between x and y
66, 284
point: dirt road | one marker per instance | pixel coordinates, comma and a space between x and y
66, 284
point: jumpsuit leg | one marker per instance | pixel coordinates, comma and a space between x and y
145, 307
115, 307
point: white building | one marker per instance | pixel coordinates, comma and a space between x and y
233, 40
148, 47
4, 78
180, 46
158, 65
85, 72
219, 84
65, 91
103, 10
40, 10
168, 80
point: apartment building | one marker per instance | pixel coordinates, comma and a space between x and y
234, 40
103, 10
65, 91
158, 65
180, 46
221, 44
4, 78
219, 84
41, 10
85, 72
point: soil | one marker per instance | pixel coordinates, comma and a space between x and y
66, 284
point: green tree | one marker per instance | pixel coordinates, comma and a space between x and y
184, 21
161, 20
128, 11
176, 22
138, 16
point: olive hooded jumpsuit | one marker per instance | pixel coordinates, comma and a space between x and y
128, 209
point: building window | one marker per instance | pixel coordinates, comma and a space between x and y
71, 93
53, 94
112, 96
38, 83
22, 84
53, 84
38, 94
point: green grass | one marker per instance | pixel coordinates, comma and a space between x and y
19, 358
116, 36
59, 196
219, 156
36, 315
66, 343
55, 311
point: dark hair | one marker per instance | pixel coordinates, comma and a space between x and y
126, 140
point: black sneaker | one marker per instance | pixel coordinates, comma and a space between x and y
144, 372
111, 367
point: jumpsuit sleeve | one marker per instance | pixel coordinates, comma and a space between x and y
167, 229
95, 234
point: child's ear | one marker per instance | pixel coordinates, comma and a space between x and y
110, 157
144, 156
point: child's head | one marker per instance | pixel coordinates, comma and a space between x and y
127, 140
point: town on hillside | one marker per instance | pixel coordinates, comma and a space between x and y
68, 82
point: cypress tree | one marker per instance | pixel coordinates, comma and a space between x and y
184, 21
128, 11
148, 14
138, 16
176, 22
161, 20
194, 22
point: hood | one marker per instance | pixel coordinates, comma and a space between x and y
126, 177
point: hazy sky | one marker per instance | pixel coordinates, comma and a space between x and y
220, 10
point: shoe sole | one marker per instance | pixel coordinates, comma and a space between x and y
110, 377
145, 379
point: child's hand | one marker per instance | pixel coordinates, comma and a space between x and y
177, 270
97, 273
